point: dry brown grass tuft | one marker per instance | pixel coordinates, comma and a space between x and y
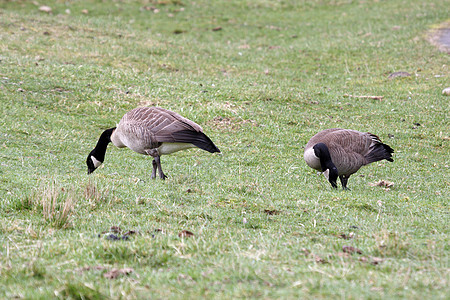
57, 205
95, 195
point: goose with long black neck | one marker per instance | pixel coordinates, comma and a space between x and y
152, 131
342, 152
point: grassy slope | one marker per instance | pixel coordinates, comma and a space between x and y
274, 75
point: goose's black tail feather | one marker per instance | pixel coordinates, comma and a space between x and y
199, 139
380, 151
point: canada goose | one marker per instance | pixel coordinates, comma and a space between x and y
342, 152
151, 131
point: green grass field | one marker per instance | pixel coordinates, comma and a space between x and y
261, 77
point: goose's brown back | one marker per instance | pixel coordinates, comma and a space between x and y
146, 128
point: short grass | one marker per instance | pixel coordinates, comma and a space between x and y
261, 77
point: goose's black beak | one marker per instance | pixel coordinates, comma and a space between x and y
90, 164
333, 176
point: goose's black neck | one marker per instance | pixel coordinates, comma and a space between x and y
100, 149
322, 152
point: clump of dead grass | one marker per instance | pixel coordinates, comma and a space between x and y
95, 195
57, 205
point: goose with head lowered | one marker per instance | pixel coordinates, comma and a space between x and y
151, 131
342, 152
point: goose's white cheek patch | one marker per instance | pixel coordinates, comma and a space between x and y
326, 173
96, 162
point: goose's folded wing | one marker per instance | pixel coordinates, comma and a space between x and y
198, 139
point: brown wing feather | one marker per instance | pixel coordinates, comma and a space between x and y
147, 127
158, 119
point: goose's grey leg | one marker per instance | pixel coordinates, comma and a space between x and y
154, 169
344, 180
158, 164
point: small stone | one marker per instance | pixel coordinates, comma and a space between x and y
446, 91
46, 9
398, 74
